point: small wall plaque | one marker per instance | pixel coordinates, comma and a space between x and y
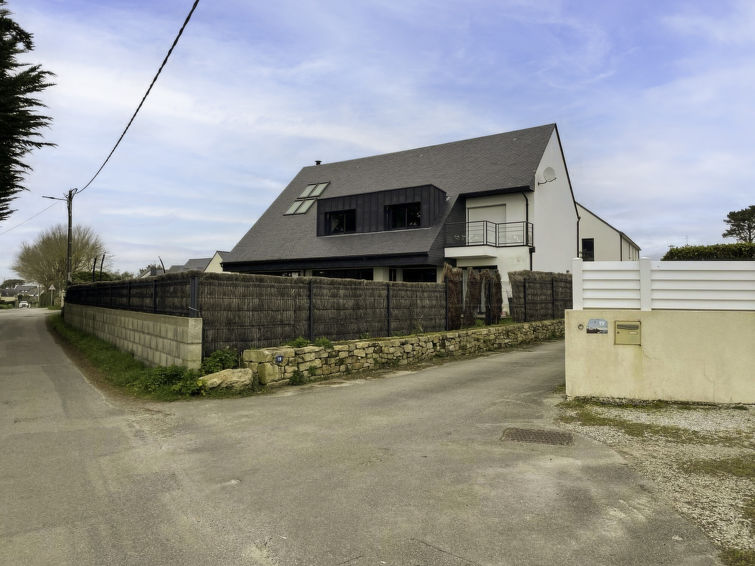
597, 326
278, 359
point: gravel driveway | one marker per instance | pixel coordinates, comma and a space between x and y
700, 458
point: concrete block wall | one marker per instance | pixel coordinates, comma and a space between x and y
155, 339
355, 355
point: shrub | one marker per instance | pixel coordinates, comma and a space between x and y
298, 342
220, 360
714, 252
175, 378
324, 343
297, 378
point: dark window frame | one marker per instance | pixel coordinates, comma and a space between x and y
403, 216
591, 255
348, 221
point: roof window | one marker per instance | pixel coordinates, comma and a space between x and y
307, 198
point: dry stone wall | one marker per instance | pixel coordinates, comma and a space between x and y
277, 366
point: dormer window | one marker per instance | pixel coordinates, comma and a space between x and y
341, 222
402, 216
307, 198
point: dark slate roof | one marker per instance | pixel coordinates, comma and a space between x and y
488, 163
197, 264
192, 265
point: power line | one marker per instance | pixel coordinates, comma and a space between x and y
117, 143
28, 219
175, 41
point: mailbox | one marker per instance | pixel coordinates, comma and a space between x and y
628, 332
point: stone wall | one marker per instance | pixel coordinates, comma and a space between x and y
278, 365
155, 339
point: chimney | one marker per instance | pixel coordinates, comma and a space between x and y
317, 162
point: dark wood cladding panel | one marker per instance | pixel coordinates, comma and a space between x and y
370, 207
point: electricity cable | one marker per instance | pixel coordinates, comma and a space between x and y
112, 151
117, 143
28, 219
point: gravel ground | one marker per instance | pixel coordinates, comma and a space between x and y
715, 500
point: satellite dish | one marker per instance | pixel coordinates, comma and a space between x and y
549, 174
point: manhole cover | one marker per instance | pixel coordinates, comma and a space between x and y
539, 436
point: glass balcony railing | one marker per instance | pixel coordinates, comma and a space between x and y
486, 233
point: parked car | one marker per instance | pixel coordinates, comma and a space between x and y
23, 305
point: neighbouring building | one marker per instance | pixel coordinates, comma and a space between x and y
207, 264
599, 241
503, 201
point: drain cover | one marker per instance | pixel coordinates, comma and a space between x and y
539, 436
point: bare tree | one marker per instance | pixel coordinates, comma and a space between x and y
44, 261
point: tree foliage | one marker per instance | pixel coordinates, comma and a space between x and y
11, 283
44, 261
715, 252
741, 225
20, 122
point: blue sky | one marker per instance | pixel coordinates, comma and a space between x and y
653, 101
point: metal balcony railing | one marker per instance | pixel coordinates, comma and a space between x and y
486, 233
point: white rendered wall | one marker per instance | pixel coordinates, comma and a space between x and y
505, 259
607, 239
515, 205
214, 265
629, 252
683, 355
553, 214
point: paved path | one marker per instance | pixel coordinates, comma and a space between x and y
408, 469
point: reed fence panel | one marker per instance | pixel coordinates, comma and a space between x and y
242, 311
538, 295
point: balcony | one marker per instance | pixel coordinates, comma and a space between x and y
486, 233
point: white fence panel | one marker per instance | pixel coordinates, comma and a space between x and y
647, 285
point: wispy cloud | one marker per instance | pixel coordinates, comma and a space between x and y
652, 102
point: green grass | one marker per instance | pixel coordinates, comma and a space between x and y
127, 374
742, 467
737, 557
584, 415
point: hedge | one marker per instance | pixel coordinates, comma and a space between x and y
714, 252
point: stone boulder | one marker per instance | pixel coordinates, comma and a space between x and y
228, 379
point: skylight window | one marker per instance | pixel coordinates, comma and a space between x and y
294, 206
318, 190
305, 206
307, 191
307, 198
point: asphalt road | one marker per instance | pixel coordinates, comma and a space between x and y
405, 469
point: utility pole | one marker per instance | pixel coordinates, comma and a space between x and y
69, 202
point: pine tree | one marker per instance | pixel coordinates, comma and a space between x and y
741, 225
20, 122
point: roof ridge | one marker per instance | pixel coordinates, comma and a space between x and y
433, 146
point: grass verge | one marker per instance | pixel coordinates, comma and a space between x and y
583, 412
119, 372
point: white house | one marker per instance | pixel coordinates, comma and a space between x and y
503, 201
599, 241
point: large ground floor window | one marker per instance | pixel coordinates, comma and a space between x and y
365, 274
420, 274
